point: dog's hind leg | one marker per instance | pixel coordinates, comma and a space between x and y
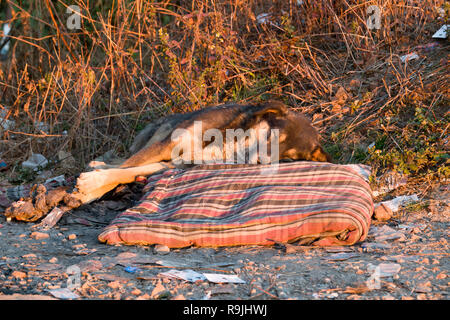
159, 151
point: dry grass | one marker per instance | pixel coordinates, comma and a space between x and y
87, 91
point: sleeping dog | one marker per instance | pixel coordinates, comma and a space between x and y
254, 133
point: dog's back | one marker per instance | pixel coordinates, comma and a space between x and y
298, 139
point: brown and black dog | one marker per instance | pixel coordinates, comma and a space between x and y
298, 139
153, 149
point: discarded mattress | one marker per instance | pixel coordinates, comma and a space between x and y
227, 205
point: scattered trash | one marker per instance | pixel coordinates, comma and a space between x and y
385, 233
35, 161
131, 269
342, 256
3, 165
5, 124
56, 181
223, 278
171, 264
187, 275
385, 270
5, 43
441, 33
263, 18
63, 293
409, 56
395, 203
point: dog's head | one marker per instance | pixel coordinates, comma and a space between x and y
298, 139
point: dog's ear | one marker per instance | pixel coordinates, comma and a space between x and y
321, 155
271, 110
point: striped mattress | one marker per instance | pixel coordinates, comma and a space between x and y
227, 205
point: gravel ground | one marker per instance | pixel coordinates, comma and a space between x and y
403, 258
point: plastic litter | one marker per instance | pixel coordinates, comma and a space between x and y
263, 18
385, 270
441, 33
223, 278
187, 275
399, 201
3, 165
63, 293
35, 161
409, 56
131, 269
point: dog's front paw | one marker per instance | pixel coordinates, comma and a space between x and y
93, 185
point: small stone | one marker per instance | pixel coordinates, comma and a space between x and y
29, 256
53, 260
39, 235
136, 292
145, 296
382, 212
441, 275
424, 287
179, 297
114, 285
72, 236
19, 275
157, 291
162, 249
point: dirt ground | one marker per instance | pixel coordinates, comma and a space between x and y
410, 250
